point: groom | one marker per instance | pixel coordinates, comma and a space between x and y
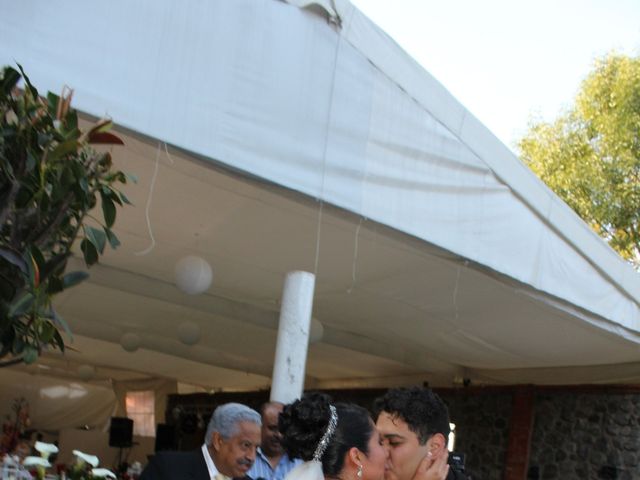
229, 450
414, 424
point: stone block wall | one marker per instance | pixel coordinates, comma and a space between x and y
482, 429
586, 435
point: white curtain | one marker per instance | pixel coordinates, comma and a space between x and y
161, 388
54, 403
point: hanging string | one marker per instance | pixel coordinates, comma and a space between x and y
324, 153
455, 295
318, 229
455, 289
169, 157
150, 198
355, 258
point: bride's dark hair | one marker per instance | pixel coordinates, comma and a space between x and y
304, 422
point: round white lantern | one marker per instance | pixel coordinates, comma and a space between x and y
86, 372
193, 275
316, 330
130, 342
189, 333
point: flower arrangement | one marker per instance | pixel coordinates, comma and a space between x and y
13, 428
85, 466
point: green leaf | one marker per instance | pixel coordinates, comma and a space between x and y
72, 279
55, 285
63, 149
37, 256
58, 341
33, 269
89, 252
72, 121
52, 103
131, 177
32, 89
67, 179
108, 209
30, 354
84, 184
21, 305
10, 78
61, 323
72, 134
46, 331
97, 237
113, 195
125, 199
18, 344
13, 258
113, 240
31, 160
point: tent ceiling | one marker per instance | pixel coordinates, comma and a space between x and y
493, 279
394, 308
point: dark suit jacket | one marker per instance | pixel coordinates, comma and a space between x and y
176, 466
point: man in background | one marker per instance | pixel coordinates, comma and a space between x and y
272, 463
232, 437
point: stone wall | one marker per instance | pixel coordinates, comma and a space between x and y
482, 429
585, 435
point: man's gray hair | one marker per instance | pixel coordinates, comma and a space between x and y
226, 417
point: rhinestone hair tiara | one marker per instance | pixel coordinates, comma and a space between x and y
324, 441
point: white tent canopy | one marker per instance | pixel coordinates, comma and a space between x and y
305, 138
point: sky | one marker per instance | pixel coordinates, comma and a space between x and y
509, 61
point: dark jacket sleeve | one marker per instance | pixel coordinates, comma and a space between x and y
153, 470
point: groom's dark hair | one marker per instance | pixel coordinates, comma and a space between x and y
424, 411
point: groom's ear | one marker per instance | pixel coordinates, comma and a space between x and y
437, 444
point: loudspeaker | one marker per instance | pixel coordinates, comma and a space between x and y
121, 432
165, 437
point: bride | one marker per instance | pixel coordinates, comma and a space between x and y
340, 442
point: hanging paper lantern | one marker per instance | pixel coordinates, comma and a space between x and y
189, 333
193, 275
130, 342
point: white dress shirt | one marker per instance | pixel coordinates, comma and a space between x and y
213, 471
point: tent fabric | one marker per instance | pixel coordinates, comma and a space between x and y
56, 403
337, 112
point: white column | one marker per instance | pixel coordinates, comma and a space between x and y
287, 382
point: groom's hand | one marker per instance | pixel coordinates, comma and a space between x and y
432, 468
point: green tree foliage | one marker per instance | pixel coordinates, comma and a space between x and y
50, 179
590, 156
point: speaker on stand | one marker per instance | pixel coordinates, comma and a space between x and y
120, 435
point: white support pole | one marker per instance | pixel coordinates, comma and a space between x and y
287, 382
